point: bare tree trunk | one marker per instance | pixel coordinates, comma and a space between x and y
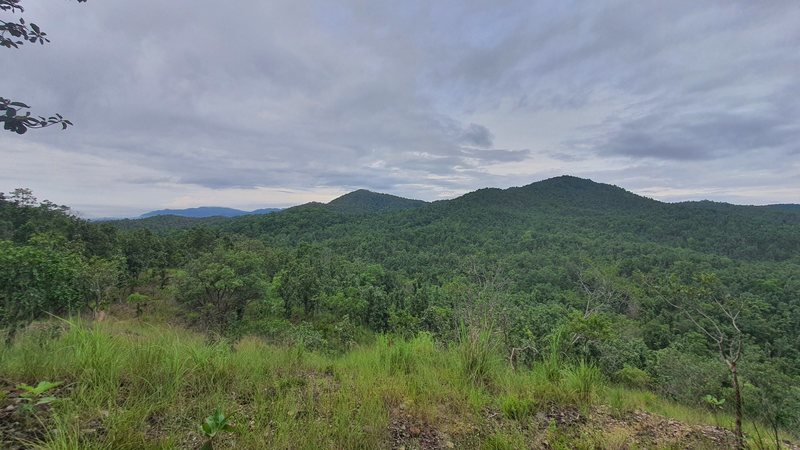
737, 406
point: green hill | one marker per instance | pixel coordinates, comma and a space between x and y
363, 201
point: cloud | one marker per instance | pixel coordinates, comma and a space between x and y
477, 135
425, 99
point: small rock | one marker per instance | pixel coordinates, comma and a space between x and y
449, 444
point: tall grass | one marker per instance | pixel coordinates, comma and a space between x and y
479, 353
582, 382
130, 385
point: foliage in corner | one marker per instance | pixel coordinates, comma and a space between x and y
12, 35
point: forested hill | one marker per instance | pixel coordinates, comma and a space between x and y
207, 211
360, 202
563, 193
791, 207
363, 201
165, 223
577, 211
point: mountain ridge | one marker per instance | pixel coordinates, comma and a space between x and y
363, 201
580, 192
207, 211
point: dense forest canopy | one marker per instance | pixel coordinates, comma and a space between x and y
596, 271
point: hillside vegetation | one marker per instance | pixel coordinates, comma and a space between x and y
563, 313
134, 384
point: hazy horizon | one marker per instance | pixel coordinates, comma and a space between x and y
249, 208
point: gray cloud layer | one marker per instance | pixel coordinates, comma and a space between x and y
183, 103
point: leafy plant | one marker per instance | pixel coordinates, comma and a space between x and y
713, 402
213, 425
33, 396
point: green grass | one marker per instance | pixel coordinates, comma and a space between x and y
130, 385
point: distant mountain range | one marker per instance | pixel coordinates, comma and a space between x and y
207, 211
559, 195
361, 201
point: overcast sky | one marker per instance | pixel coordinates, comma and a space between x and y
252, 104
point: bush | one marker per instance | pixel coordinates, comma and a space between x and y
632, 377
39, 280
686, 377
140, 300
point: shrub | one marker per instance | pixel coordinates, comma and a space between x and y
633, 377
140, 300
686, 377
35, 280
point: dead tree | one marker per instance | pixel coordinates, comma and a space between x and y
716, 315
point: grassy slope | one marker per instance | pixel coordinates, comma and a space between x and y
130, 384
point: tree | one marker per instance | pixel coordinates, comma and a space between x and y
716, 315
219, 285
142, 250
12, 35
40, 279
774, 397
102, 277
